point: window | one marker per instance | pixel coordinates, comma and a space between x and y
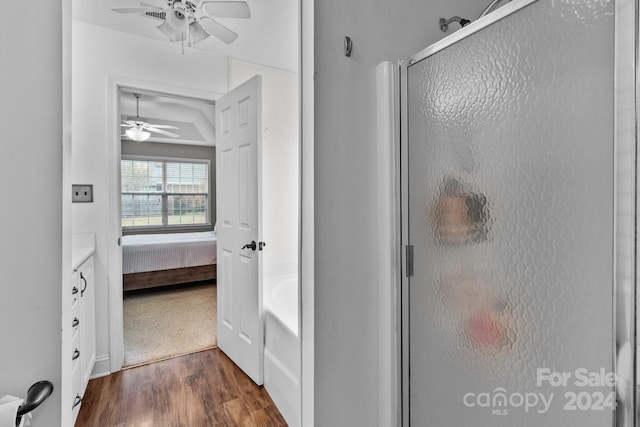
164, 192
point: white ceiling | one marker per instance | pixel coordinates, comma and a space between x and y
194, 118
269, 37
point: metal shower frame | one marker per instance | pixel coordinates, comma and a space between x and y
625, 209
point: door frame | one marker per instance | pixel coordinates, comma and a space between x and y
114, 360
114, 228
626, 183
306, 251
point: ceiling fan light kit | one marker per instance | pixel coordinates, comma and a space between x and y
137, 134
197, 33
182, 19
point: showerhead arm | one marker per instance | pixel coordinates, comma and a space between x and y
492, 6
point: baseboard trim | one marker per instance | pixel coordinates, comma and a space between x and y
102, 367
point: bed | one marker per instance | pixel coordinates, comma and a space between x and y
150, 260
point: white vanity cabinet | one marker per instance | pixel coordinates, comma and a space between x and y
74, 351
87, 321
81, 347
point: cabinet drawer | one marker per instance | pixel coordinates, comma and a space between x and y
75, 288
75, 305
75, 351
75, 318
76, 385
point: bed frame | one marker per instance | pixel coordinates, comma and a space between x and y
175, 276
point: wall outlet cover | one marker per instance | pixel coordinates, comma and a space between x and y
82, 193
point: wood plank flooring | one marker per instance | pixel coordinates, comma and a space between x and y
204, 389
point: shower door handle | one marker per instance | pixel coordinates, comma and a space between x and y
251, 245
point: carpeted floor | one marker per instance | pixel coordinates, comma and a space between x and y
167, 322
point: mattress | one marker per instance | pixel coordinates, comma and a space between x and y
153, 252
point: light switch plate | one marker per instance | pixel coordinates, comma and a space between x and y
82, 193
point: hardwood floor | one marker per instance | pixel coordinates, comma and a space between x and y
204, 389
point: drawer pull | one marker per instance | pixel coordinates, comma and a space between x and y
85, 285
75, 322
76, 354
76, 401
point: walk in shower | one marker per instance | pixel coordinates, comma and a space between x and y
518, 189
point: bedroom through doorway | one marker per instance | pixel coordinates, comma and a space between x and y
168, 217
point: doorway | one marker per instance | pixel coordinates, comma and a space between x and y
173, 154
111, 62
168, 217
280, 177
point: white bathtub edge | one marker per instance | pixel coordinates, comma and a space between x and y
282, 388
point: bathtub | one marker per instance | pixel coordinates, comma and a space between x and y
282, 345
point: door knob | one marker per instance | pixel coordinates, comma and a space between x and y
251, 245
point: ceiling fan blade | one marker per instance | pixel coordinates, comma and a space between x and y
151, 6
163, 126
219, 30
135, 9
227, 9
162, 132
127, 125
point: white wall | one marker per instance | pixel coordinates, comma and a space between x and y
346, 294
99, 53
31, 177
280, 162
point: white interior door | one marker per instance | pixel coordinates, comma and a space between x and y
238, 192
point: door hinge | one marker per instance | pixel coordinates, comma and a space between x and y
408, 258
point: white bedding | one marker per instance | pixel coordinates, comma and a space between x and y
153, 252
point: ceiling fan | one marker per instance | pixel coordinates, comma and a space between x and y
139, 129
183, 19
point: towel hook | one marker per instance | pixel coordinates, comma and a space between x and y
348, 46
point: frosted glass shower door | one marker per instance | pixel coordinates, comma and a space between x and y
508, 188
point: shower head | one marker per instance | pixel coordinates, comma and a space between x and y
444, 23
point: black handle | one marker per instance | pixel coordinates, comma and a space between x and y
85, 284
76, 401
75, 322
37, 394
251, 245
76, 354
